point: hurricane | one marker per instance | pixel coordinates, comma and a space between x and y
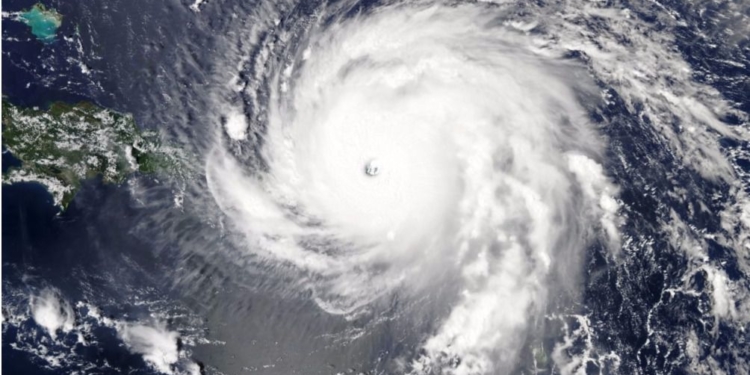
431, 187
450, 149
488, 174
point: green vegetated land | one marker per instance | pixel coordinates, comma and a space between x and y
67, 143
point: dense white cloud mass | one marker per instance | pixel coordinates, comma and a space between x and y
69, 329
51, 312
157, 345
487, 173
487, 124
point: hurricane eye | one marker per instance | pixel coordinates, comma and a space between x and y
372, 168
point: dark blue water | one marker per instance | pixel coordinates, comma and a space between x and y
69, 251
35, 72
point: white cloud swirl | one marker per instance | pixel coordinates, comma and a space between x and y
487, 174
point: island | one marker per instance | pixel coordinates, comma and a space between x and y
42, 21
64, 144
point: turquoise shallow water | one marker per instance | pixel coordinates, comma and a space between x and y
44, 23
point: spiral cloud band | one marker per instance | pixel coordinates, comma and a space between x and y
411, 146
